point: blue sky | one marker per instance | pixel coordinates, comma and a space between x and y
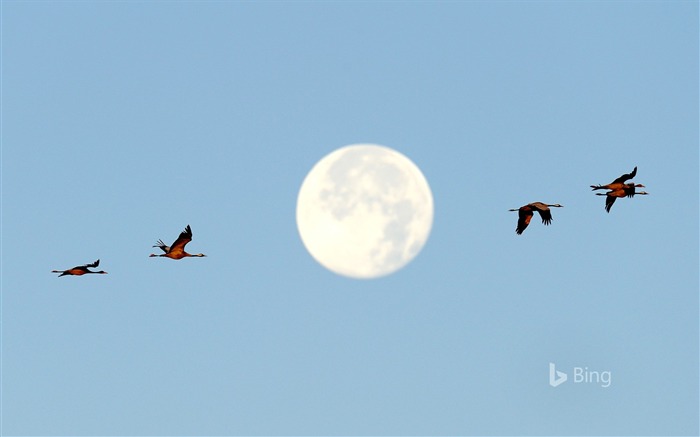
122, 122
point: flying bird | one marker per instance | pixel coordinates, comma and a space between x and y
627, 190
525, 214
177, 249
80, 270
617, 183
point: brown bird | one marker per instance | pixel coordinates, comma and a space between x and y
627, 190
525, 214
177, 250
80, 270
617, 183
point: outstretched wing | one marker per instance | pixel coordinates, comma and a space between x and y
630, 190
546, 215
609, 200
544, 211
626, 176
184, 238
95, 264
524, 217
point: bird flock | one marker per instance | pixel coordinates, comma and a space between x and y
616, 189
174, 251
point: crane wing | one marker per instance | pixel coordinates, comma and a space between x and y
546, 215
524, 217
630, 190
609, 200
543, 210
626, 176
184, 238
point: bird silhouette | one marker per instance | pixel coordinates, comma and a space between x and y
80, 270
525, 214
177, 249
627, 190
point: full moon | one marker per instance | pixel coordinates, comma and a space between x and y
364, 211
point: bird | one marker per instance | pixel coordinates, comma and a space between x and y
525, 214
80, 270
177, 249
617, 183
627, 190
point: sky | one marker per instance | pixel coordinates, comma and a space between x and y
123, 122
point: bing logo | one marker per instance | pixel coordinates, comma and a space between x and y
581, 375
556, 377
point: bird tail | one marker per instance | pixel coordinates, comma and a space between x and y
597, 187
